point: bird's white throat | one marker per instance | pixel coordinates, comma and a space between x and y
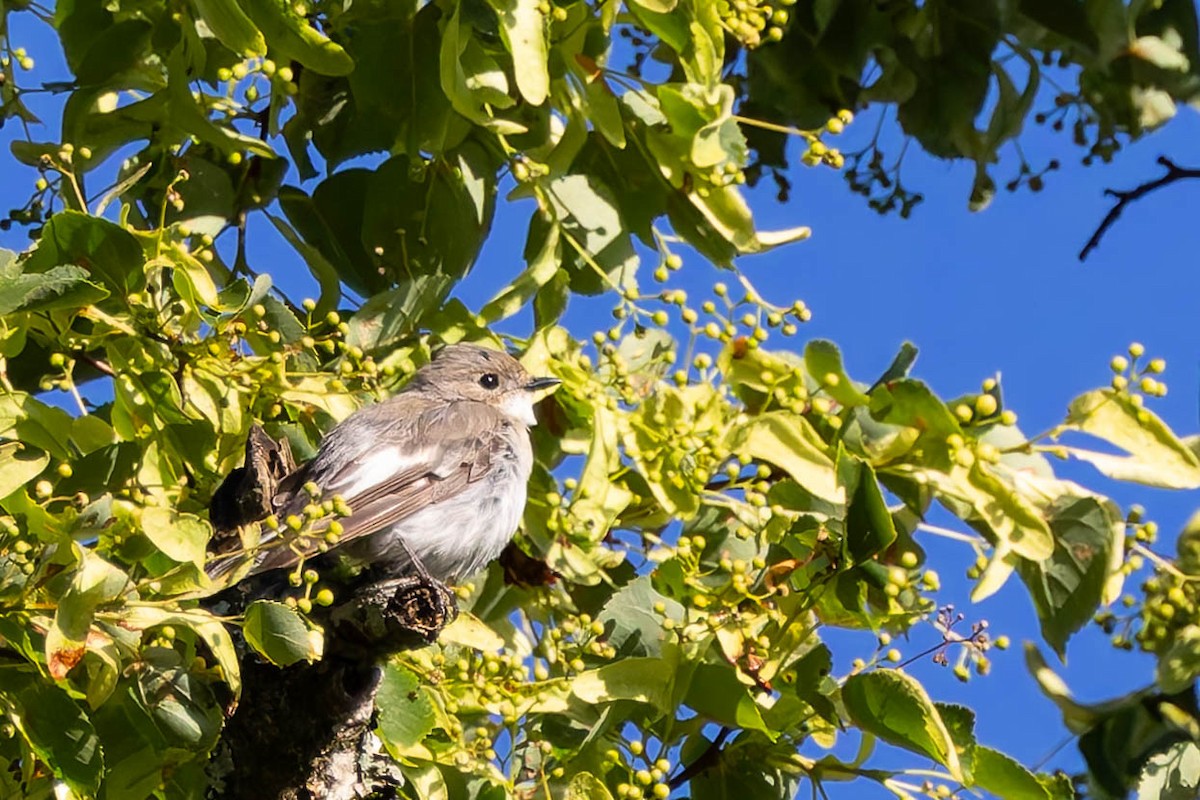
519, 405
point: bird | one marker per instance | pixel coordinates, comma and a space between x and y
434, 477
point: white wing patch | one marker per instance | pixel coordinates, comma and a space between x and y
380, 465
519, 405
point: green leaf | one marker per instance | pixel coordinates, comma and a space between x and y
824, 362
899, 367
1004, 777
208, 628
657, 6
869, 526
295, 39
716, 693
57, 731
586, 786
789, 442
754, 375
1008, 519
1009, 514
542, 268
232, 27
1156, 456
320, 267
467, 630
279, 634
183, 537
180, 703
911, 404
19, 465
523, 28
877, 442
109, 253
470, 77
551, 301
28, 420
391, 317
643, 680
1069, 586
406, 713
58, 287
631, 624
187, 113
597, 249
95, 582
894, 706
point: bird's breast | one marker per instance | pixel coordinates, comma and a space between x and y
459, 535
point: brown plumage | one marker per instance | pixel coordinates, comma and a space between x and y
438, 471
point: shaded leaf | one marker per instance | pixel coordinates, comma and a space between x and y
716, 693
405, 711
57, 731
278, 633
895, 707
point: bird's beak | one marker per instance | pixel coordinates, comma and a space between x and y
541, 383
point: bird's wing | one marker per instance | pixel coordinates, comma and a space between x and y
407, 465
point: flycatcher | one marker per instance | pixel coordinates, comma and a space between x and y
436, 474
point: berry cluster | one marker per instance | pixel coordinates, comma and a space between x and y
755, 22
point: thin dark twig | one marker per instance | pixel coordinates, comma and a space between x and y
1174, 173
708, 758
1044, 760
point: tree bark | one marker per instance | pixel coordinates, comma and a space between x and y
305, 732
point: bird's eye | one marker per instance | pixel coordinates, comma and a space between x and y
489, 380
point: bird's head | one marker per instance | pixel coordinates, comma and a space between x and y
471, 372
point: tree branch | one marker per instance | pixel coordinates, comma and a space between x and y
1174, 173
707, 759
304, 732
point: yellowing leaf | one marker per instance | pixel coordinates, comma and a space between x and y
1159, 53
232, 27
467, 631
788, 441
1156, 456
523, 27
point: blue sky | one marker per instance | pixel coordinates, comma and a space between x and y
981, 293
997, 291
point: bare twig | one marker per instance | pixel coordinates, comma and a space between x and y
1174, 173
